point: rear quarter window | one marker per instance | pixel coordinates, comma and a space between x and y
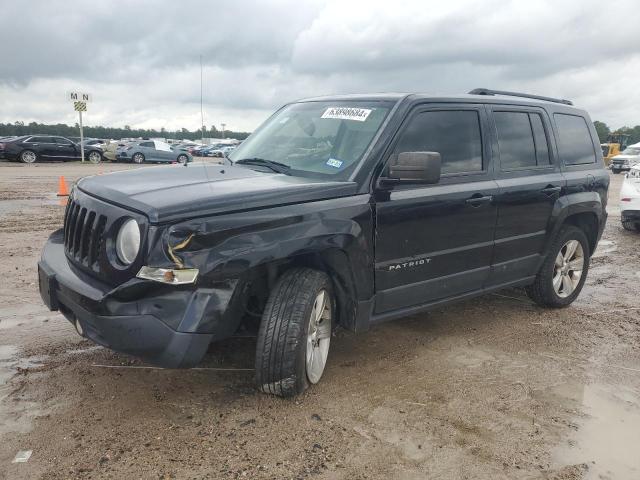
574, 140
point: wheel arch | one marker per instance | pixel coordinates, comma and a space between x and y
588, 223
261, 279
583, 210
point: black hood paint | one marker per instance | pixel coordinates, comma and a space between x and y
165, 194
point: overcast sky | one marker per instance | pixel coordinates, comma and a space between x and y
140, 60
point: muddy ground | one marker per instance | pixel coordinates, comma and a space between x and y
494, 388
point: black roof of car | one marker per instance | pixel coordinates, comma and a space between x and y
480, 95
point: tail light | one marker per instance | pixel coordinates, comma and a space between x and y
625, 199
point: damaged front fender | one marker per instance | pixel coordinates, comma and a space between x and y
231, 247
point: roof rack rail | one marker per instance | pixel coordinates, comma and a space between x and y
488, 91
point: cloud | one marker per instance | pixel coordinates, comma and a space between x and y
140, 60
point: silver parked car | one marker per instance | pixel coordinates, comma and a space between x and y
151, 151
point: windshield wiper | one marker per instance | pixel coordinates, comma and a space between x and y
261, 162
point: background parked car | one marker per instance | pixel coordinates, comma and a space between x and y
630, 200
151, 151
110, 150
222, 151
629, 157
31, 148
97, 142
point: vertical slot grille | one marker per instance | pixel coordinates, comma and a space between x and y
83, 235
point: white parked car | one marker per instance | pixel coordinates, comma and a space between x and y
630, 200
629, 157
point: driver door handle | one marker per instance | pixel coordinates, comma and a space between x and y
478, 200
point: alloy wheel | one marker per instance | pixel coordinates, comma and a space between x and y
567, 269
94, 157
28, 156
318, 337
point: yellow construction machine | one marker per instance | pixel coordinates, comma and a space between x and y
616, 143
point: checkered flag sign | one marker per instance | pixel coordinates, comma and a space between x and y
80, 106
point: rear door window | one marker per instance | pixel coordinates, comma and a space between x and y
522, 140
574, 140
515, 140
40, 140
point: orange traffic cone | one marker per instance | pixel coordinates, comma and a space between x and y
63, 191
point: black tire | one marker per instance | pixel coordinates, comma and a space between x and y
282, 336
28, 156
631, 226
541, 290
182, 158
615, 171
137, 158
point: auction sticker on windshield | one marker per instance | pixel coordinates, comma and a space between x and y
347, 113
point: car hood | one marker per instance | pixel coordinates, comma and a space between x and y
166, 194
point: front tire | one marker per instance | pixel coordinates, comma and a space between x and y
295, 333
28, 156
137, 158
564, 270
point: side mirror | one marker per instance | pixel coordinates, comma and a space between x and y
416, 167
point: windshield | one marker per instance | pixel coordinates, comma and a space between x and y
316, 139
631, 151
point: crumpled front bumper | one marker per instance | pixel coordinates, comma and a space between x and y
167, 326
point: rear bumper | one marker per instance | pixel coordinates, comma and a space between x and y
163, 325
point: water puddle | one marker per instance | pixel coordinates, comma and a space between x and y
605, 247
30, 204
15, 414
607, 433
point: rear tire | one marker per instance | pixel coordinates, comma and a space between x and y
28, 156
631, 226
95, 157
615, 171
183, 159
562, 276
296, 325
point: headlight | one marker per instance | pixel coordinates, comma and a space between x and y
128, 242
169, 275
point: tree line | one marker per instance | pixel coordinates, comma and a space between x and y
20, 128
604, 131
63, 130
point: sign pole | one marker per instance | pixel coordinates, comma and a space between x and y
80, 101
81, 137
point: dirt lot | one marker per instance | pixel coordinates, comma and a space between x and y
494, 388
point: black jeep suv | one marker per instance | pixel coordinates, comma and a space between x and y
346, 210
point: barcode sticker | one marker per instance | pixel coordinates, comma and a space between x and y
347, 113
